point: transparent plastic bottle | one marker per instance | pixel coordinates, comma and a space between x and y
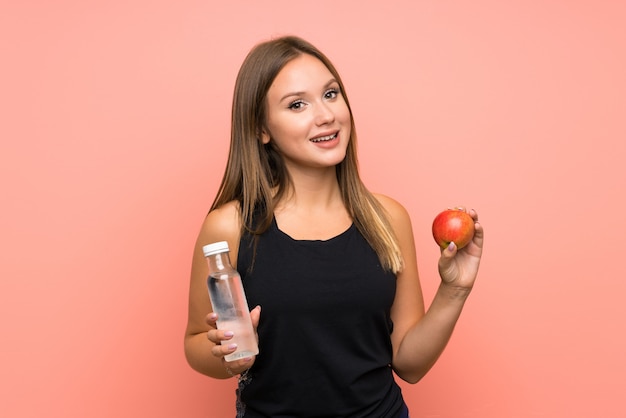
229, 301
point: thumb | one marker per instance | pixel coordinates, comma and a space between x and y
446, 265
255, 315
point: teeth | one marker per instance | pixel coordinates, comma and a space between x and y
324, 138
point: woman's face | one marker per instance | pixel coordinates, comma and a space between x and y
308, 120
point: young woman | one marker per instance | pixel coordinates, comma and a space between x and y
332, 265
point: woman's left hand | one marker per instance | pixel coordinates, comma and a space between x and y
459, 268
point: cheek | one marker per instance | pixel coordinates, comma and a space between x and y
343, 115
288, 128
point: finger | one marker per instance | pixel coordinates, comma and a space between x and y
449, 252
242, 364
212, 336
238, 366
221, 350
479, 234
211, 320
216, 336
255, 315
473, 214
446, 260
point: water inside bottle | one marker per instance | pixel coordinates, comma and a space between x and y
233, 315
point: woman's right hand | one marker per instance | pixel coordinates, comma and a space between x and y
220, 350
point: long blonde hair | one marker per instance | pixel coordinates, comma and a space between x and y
255, 174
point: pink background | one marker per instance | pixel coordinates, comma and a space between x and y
114, 122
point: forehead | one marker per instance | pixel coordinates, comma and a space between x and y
301, 74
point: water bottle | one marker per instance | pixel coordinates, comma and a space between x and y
229, 301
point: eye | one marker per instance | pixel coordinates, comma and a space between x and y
331, 93
296, 105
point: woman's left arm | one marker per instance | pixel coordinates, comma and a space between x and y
420, 337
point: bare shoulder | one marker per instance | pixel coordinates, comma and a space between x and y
222, 224
225, 218
398, 215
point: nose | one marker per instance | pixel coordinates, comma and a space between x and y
324, 114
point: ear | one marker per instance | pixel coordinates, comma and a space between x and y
265, 136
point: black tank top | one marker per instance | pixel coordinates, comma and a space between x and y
324, 333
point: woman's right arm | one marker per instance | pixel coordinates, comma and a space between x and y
204, 355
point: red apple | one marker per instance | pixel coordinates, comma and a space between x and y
453, 225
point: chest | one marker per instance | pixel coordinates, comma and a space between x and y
295, 277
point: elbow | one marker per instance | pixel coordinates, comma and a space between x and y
194, 360
190, 357
410, 376
412, 381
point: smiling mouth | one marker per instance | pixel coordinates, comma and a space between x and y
325, 138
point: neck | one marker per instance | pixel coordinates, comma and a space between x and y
317, 191
311, 199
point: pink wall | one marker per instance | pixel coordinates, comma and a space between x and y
114, 129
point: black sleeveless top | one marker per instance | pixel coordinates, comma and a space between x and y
324, 334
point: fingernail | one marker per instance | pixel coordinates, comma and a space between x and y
232, 346
228, 334
451, 246
212, 316
246, 359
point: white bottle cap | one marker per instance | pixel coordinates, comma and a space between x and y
215, 248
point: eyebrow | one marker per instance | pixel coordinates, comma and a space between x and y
300, 93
